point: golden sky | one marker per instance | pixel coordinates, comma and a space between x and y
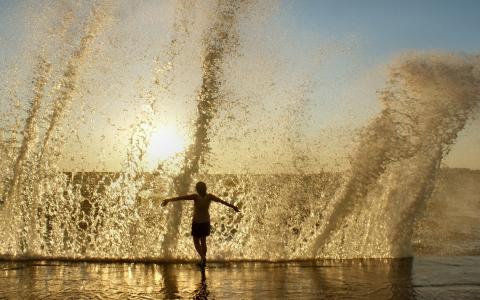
301, 85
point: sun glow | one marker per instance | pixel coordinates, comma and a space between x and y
165, 142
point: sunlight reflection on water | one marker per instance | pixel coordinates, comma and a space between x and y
419, 278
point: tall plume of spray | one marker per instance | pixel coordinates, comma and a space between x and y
67, 86
23, 192
366, 212
132, 180
162, 80
42, 71
30, 133
219, 40
427, 101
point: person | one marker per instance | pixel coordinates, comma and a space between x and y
201, 217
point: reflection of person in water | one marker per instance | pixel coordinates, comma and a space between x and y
201, 217
201, 292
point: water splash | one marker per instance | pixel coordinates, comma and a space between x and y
24, 187
368, 211
139, 142
30, 134
427, 101
67, 86
219, 41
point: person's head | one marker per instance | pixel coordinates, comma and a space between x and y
201, 188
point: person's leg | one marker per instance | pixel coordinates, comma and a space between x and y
198, 247
203, 240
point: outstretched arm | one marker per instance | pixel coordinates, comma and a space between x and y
180, 198
216, 199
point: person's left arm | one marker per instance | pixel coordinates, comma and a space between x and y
216, 199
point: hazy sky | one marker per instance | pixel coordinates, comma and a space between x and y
388, 27
341, 48
382, 29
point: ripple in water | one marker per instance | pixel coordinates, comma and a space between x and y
367, 211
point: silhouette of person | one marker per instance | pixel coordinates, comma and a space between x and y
201, 292
201, 217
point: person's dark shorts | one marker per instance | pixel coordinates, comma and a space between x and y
200, 229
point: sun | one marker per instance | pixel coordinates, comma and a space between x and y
165, 142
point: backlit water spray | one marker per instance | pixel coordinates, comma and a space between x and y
366, 211
427, 101
219, 41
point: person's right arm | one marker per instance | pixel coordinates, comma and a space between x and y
180, 198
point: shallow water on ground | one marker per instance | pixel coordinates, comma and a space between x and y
418, 278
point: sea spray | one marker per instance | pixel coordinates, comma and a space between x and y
67, 85
24, 191
219, 40
30, 131
132, 179
15, 185
427, 101
364, 212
